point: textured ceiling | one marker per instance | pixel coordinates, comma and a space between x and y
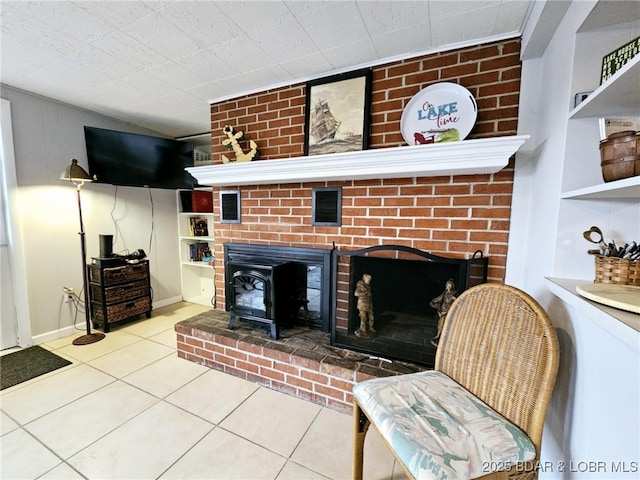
159, 64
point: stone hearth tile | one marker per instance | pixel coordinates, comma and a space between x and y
273, 420
43, 396
62, 471
331, 432
165, 376
72, 427
223, 455
22, 456
168, 338
293, 471
144, 447
113, 341
6, 424
131, 358
213, 395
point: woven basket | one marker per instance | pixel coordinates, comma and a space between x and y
124, 273
120, 311
619, 271
119, 293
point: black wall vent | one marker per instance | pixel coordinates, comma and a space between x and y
327, 206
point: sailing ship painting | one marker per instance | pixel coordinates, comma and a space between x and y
337, 114
324, 125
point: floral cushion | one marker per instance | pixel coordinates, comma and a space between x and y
438, 429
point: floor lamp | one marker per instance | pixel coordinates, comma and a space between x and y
78, 176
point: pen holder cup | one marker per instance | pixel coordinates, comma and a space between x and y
619, 271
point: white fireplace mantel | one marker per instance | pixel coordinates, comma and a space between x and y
481, 156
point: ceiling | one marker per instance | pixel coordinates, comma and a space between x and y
158, 64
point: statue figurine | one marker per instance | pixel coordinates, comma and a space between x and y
365, 307
442, 303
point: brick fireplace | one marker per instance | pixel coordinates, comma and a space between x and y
451, 216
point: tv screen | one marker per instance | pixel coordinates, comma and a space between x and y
134, 160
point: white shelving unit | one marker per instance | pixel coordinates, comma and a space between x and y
197, 277
586, 199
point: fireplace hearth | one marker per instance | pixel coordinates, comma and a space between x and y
403, 282
326, 290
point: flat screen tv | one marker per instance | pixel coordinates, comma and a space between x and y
130, 159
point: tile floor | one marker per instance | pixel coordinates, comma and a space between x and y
129, 408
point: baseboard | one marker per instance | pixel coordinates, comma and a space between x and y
166, 301
56, 334
71, 330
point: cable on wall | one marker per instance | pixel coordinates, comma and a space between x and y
115, 222
153, 220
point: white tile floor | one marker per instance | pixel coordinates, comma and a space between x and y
129, 408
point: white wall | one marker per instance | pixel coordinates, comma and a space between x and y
47, 135
593, 422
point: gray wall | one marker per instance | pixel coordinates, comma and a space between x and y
47, 135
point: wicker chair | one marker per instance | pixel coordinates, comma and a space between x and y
498, 343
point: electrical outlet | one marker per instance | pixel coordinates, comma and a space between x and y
68, 294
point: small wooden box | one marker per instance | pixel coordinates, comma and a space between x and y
620, 156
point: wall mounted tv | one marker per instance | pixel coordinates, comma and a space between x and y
134, 160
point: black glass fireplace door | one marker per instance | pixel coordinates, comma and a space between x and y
250, 290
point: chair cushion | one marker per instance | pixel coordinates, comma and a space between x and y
438, 429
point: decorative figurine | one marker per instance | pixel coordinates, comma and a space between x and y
365, 307
442, 303
232, 143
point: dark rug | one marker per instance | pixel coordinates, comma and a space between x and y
26, 364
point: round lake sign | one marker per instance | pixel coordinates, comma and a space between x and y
442, 112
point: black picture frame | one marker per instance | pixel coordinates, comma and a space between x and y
230, 209
347, 97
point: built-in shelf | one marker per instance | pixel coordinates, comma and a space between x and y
197, 264
480, 156
618, 102
625, 188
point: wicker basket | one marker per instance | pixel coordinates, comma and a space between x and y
120, 311
619, 271
124, 273
120, 293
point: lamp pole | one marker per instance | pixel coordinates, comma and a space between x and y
89, 337
78, 176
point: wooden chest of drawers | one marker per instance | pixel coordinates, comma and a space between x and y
118, 292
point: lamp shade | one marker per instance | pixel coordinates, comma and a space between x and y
75, 173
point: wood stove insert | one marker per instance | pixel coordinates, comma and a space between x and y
279, 286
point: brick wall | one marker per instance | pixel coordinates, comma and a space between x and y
451, 216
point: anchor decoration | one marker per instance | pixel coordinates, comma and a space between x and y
232, 143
